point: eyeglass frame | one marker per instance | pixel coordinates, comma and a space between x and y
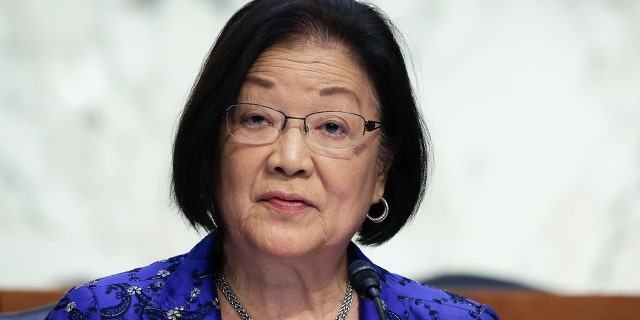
369, 125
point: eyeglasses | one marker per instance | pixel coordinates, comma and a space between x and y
334, 130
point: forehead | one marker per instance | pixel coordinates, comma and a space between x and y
310, 69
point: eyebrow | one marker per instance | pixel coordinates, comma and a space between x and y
332, 90
339, 90
260, 82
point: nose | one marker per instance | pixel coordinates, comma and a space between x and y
291, 155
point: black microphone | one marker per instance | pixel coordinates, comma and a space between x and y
366, 282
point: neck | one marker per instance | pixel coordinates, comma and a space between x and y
311, 287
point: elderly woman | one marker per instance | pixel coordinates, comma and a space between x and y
300, 133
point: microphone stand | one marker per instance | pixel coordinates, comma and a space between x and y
379, 307
366, 282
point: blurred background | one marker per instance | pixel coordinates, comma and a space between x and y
533, 108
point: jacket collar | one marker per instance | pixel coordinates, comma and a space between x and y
190, 290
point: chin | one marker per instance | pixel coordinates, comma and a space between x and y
289, 244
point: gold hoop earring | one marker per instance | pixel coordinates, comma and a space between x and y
384, 214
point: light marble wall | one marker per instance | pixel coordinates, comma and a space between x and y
533, 106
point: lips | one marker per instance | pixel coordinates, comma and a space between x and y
289, 203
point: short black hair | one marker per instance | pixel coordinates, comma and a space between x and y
374, 42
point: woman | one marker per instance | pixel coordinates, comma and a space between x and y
300, 133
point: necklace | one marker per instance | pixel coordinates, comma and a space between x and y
221, 281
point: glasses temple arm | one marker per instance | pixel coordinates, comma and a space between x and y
372, 125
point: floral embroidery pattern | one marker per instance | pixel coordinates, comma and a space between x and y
195, 292
164, 273
70, 306
133, 290
174, 313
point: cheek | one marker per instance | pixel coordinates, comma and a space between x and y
350, 179
236, 168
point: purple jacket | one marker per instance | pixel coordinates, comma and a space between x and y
183, 287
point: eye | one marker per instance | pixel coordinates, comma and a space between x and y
255, 119
332, 128
330, 125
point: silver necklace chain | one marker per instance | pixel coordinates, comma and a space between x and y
235, 303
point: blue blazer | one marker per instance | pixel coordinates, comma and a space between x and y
183, 287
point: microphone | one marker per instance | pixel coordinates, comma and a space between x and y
366, 282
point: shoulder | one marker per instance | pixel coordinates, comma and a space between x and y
148, 278
115, 295
170, 288
408, 299
414, 300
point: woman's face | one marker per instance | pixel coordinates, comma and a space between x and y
289, 198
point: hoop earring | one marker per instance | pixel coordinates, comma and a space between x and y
384, 214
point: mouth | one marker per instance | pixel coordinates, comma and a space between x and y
287, 203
